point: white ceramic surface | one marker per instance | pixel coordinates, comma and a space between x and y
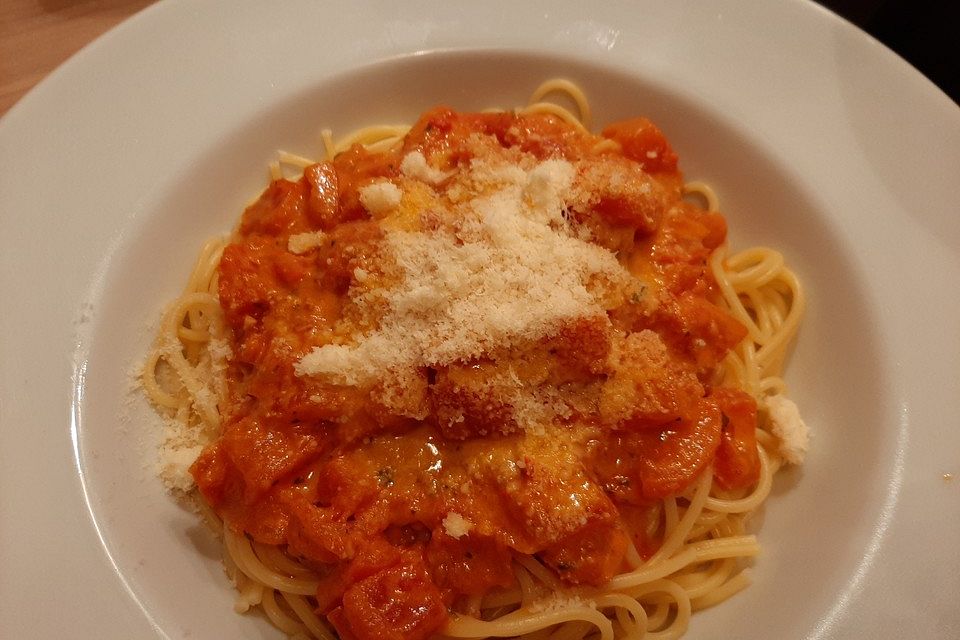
819, 141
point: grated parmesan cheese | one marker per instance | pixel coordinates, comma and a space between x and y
183, 440
175, 461
546, 186
414, 165
302, 242
456, 525
500, 269
380, 198
560, 601
790, 429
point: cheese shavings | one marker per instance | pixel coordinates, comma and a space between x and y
456, 526
181, 443
560, 601
414, 165
300, 243
500, 269
380, 198
790, 429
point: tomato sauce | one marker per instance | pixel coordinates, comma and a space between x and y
366, 495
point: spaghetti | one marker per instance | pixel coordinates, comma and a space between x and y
372, 500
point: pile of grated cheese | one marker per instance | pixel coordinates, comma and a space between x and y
498, 266
184, 436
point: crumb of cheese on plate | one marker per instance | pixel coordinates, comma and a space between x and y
790, 429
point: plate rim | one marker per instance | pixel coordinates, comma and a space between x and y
35, 101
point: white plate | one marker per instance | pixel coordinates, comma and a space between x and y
820, 142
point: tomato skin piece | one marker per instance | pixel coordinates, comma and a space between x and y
280, 210
707, 332
681, 248
350, 245
642, 141
737, 465
645, 466
644, 525
339, 621
399, 603
211, 472
355, 168
431, 135
314, 532
676, 456
442, 134
324, 194
247, 282
591, 556
263, 460
470, 565
372, 556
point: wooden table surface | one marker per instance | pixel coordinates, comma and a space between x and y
38, 35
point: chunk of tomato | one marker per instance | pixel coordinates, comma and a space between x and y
399, 603
738, 462
472, 564
372, 556
642, 141
592, 555
674, 457
279, 210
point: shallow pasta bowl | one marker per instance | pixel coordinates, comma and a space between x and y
819, 142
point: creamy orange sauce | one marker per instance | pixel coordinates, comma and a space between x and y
407, 507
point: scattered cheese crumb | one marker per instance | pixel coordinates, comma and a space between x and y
380, 198
182, 439
560, 601
456, 525
175, 461
414, 165
302, 242
786, 424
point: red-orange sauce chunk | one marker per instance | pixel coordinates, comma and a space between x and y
328, 473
